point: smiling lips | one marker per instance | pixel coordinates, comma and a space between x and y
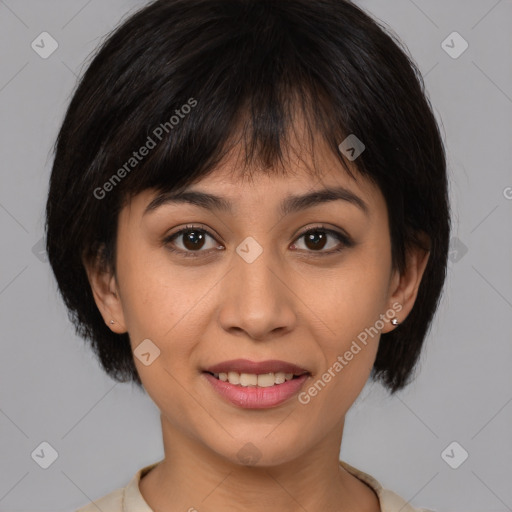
256, 368
253, 385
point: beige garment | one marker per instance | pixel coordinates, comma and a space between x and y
129, 498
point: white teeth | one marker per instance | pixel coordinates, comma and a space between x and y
264, 380
233, 378
279, 378
248, 379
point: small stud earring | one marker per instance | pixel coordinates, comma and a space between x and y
112, 321
394, 321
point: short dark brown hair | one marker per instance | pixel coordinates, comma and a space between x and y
247, 63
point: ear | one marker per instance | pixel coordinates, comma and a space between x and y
404, 288
105, 292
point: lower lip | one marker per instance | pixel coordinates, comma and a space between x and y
253, 397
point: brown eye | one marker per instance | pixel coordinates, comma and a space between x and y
192, 239
316, 239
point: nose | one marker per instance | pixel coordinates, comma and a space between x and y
258, 298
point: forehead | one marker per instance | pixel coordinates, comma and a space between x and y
298, 173
252, 186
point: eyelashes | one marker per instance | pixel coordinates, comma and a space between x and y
202, 233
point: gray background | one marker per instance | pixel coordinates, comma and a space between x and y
51, 388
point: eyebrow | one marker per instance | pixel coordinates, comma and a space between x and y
290, 204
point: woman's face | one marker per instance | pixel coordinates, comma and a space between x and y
269, 293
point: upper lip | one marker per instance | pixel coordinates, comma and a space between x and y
258, 368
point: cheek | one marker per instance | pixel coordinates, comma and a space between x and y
367, 281
154, 296
162, 304
348, 299
158, 304
348, 309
